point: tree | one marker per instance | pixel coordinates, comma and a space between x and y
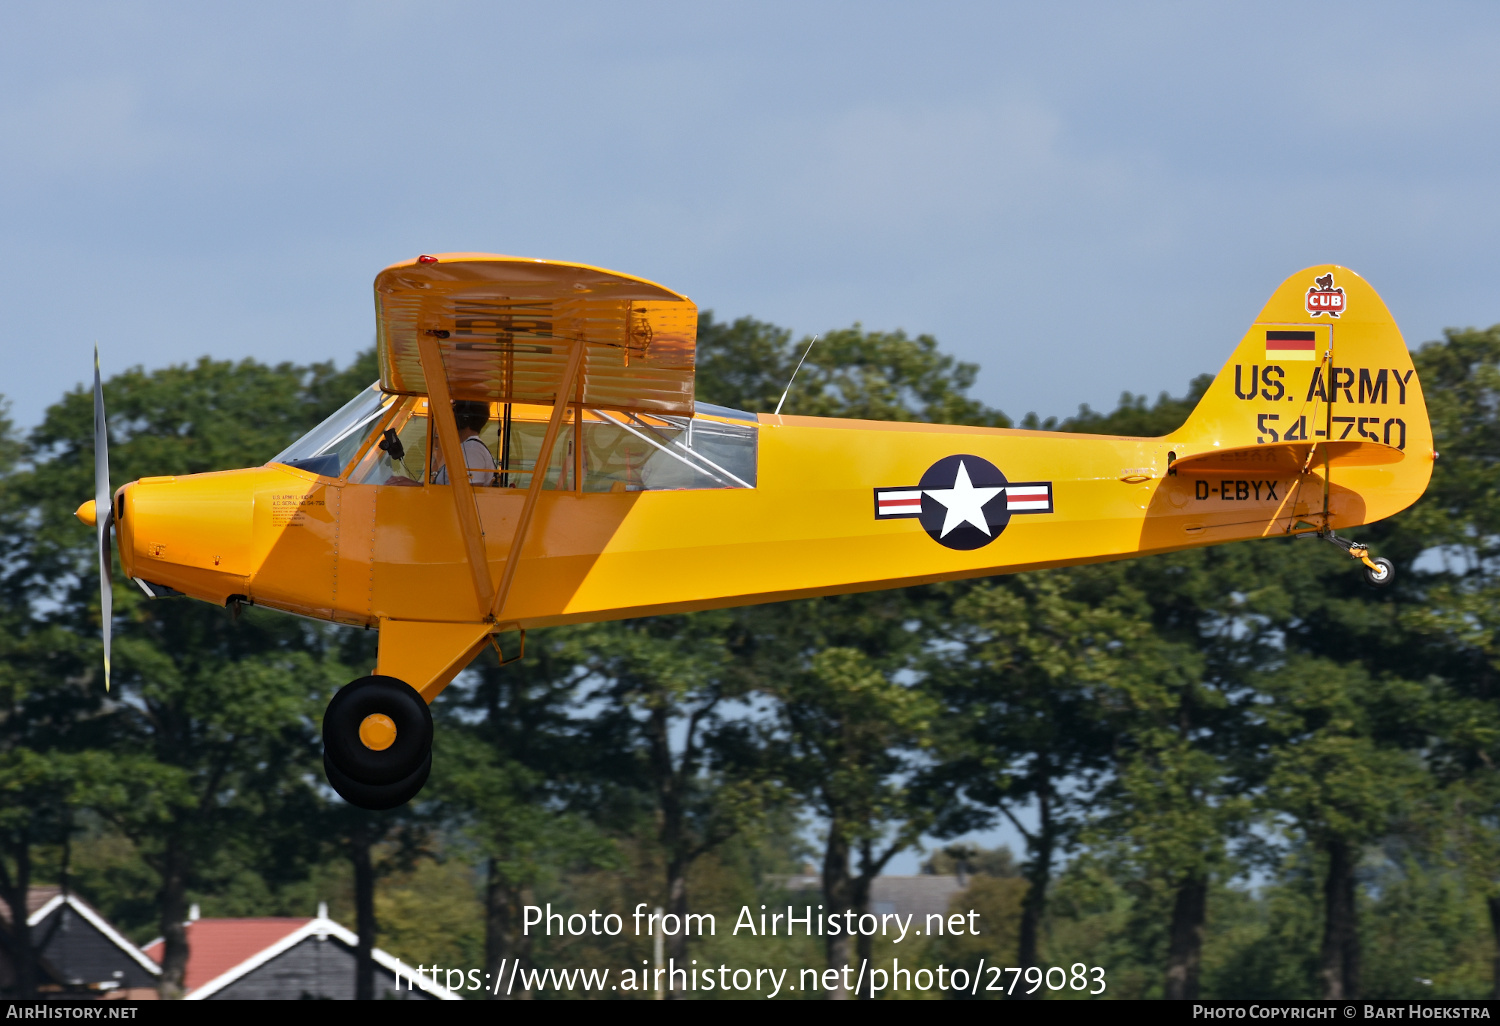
1181, 771
1343, 776
40, 791
1451, 626
507, 780
832, 664
49, 721
1398, 684
212, 711
1029, 678
854, 736
849, 372
668, 682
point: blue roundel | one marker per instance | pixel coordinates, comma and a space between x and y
963, 502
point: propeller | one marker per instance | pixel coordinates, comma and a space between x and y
104, 514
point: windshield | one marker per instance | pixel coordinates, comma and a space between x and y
328, 448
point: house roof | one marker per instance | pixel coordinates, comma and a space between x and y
217, 945
94, 919
221, 951
36, 897
43, 900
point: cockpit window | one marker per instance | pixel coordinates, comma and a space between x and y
399, 457
328, 448
605, 450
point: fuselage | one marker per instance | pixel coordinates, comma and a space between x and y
812, 525
1317, 422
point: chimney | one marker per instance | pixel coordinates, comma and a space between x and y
193, 912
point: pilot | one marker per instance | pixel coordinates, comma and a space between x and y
471, 417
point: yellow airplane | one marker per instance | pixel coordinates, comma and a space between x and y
596, 488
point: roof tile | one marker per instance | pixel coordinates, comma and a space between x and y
217, 945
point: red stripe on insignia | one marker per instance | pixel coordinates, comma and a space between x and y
1021, 498
898, 502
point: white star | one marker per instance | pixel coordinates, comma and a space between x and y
965, 503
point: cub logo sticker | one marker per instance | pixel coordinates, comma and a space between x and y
1323, 298
963, 502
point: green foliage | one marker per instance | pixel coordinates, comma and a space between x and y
851, 735
849, 372
204, 753
968, 859
433, 914
1225, 718
1132, 417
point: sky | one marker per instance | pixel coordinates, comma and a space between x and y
1083, 199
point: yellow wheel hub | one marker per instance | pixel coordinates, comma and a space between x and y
377, 732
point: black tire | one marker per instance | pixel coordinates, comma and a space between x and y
376, 797
1380, 580
364, 697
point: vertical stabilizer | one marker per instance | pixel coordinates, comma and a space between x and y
1323, 363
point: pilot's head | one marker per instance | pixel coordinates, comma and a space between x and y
470, 414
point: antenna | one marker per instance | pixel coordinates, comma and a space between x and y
794, 373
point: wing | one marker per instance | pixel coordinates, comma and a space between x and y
506, 325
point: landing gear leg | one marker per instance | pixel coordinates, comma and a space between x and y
1378, 570
377, 742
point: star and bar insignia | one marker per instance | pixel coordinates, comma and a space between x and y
963, 501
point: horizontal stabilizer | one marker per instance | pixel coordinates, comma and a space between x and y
1289, 458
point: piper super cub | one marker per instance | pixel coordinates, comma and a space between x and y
595, 487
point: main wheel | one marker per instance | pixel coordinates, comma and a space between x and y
377, 741
376, 797
1383, 576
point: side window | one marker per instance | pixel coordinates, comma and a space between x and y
479, 450
626, 452
528, 429
614, 459
381, 466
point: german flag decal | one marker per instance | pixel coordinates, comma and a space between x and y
1291, 345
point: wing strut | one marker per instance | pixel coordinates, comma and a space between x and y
538, 475
441, 406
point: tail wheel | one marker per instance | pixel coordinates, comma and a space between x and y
377, 742
1382, 574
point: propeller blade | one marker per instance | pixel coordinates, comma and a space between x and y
104, 514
